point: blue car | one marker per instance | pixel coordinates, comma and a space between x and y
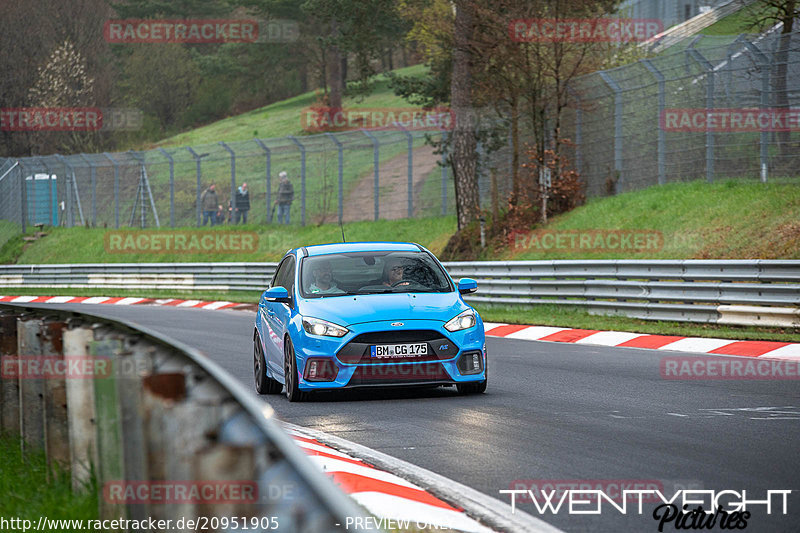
368, 314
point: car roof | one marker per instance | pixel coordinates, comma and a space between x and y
377, 246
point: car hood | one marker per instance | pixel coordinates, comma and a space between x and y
349, 310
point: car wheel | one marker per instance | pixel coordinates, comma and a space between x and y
264, 383
293, 392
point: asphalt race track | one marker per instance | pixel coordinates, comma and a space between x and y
551, 412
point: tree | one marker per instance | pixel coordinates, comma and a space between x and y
766, 13
63, 82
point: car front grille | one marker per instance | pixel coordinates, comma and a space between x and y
358, 350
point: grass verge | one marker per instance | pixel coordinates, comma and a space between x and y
27, 492
88, 245
543, 315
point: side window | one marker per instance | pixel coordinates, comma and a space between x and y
280, 273
284, 277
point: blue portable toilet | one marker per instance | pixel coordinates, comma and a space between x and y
42, 199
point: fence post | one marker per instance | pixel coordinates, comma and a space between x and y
53, 219
704, 63
197, 160
233, 175
116, 188
578, 128
410, 139
171, 186
376, 167
340, 149
618, 137
302, 179
444, 173
269, 176
94, 187
662, 104
23, 199
763, 66
74, 189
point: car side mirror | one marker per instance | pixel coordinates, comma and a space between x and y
276, 294
467, 285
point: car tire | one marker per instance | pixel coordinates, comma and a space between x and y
474, 388
293, 392
264, 383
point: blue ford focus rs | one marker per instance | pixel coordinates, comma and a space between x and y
371, 314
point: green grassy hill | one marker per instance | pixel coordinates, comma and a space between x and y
284, 118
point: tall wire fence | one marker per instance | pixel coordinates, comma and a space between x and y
716, 108
348, 176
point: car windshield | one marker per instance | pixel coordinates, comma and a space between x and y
371, 273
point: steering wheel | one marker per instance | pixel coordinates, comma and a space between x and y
401, 282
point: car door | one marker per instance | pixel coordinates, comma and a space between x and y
278, 314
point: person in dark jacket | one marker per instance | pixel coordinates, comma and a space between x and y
208, 201
242, 204
285, 197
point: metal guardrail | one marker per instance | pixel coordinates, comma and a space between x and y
683, 290
141, 412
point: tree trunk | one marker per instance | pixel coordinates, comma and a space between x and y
515, 186
335, 80
463, 139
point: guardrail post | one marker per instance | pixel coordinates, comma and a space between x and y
618, 133
704, 63
302, 179
9, 407
81, 419
31, 390
764, 67
662, 105
197, 160
116, 188
233, 174
93, 177
269, 176
110, 468
376, 166
171, 186
340, 150
56, 432
410, 140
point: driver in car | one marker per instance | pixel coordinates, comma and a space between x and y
323, 280
393, 272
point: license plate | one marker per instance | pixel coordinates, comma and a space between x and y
398, 350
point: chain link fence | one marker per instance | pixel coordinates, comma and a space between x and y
651, 122
348, 176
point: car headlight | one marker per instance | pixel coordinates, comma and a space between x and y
465, 320
316, 326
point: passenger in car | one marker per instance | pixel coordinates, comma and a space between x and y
323, 280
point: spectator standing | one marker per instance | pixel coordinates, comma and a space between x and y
285, 197
209, 202
242, 205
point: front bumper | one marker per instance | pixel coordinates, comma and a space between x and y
356, 368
